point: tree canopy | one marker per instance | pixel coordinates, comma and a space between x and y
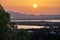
5, 32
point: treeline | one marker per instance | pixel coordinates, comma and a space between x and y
6, 33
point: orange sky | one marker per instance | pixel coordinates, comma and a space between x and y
45, 7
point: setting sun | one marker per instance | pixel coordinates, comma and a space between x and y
35, 5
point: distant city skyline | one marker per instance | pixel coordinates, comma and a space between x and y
44, 7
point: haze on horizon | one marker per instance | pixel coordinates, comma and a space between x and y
44, 7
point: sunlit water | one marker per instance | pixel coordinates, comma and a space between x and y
30, 26
34, 20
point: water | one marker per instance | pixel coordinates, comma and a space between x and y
31, 26
34, 20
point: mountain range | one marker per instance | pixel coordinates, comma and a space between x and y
20, 16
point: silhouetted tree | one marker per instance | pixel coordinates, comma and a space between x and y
5, 32
13, 26
4, 24
21, 35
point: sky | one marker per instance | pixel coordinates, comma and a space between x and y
44, 7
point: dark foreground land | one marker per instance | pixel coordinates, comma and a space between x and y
44, 34
50, 33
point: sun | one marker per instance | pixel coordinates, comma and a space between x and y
35, 5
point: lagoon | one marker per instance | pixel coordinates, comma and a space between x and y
32, 26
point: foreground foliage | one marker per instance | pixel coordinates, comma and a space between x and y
5, 32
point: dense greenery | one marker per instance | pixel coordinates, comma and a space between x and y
4, 22
5, 32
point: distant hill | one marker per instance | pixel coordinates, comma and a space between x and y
20, 16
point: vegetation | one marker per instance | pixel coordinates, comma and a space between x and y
4, 22
5, 32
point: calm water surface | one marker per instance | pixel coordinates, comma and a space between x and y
29, 26
34, 20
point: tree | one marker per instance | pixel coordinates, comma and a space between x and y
5, 32
4, 22
21, 35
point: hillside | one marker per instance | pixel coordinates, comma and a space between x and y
20, 16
